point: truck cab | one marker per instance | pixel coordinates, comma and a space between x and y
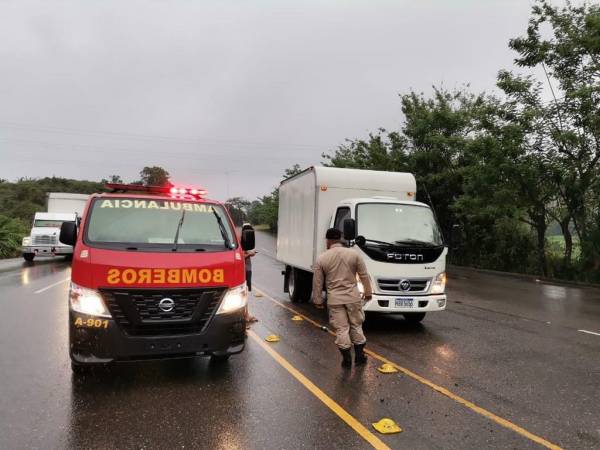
43, 238
397, 237
157, 272
403, 250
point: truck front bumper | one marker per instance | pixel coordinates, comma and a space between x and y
40, 250
101, 340
420, 303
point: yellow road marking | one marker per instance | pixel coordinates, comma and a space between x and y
457, 398
328, 401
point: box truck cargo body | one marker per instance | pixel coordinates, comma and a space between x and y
397, 237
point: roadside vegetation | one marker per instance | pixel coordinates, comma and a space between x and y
519, 170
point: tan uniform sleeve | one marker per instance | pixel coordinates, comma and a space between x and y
361, 269
318, 278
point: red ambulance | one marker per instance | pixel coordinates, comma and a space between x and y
158, 272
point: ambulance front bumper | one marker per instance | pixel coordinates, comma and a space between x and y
97, 340
394, 304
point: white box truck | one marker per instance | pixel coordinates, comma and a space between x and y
398, 237
43, 238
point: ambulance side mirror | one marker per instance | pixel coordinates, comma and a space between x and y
68, 233
349, 229
248, 240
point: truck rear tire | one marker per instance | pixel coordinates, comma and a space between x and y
414, 317
299, 285
28, 256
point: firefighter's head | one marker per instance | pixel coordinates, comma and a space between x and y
333, 236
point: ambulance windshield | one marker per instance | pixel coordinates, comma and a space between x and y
399, 224
135, 223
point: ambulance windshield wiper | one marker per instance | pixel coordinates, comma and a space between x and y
179, 225
222, 228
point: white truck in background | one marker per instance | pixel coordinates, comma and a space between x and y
397, 237
43, 238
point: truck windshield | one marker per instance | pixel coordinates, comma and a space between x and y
47, 223
397, 224
135, 223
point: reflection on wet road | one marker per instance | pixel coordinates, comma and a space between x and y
509, 347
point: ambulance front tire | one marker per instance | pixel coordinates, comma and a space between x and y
219, 359
414, 318
28, 256
80, 369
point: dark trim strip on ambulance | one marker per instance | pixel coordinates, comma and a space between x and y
156, 274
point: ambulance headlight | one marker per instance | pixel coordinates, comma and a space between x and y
26, 241
87, 301
235, 299
439, 284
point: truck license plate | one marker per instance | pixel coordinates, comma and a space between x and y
404, 303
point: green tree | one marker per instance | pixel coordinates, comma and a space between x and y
11, 235
154, 176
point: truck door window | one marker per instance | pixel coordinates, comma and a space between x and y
341, 215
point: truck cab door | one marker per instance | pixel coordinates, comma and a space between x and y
342, 213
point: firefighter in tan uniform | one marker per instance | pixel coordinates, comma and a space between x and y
338, 267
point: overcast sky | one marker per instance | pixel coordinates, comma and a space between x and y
226, 94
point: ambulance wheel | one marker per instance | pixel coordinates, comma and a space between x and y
219, 359
79, 369
414, 317
28, 256
298, 285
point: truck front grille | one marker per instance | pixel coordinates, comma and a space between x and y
137, 311
44, 239
417, 285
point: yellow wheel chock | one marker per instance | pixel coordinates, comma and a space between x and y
387, 426
297, 318
272, 338
387, 368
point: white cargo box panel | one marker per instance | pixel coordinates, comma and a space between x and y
308, 201
62, 202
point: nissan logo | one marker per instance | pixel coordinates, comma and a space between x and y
405, 285
166, 304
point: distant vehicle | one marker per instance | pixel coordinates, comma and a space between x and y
43, 237
398, 237
158, 272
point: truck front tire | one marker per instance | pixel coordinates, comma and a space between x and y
28, 256
299, 285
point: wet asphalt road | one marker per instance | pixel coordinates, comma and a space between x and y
510, 347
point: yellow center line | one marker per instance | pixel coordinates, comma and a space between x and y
328, 401
442, 390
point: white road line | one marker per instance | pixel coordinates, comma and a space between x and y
39, 291
589, 332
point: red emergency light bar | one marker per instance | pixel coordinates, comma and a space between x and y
173, 190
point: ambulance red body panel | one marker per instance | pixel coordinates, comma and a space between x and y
157, 273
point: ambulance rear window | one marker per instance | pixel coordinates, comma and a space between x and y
152, 224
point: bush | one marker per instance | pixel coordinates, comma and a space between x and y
12, 232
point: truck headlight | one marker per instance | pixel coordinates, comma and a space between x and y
87, 301
26, 241
235, 298
439, 284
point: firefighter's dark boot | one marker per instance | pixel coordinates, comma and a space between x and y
346, 358
359, 354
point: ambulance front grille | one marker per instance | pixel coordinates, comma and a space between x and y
137, 311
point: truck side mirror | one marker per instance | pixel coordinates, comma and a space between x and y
456, 237
248, 240
68, 233
349, 229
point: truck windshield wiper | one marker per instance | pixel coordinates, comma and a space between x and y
222, 228
379, 242
416, 242
179, 225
